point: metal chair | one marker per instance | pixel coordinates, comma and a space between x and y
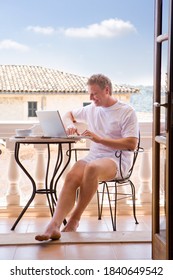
112, 187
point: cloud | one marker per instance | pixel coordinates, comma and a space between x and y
106, 29
13, 45
43, 30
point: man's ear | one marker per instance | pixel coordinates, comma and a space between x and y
107, 90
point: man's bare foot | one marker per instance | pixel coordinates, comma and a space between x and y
51, 233
71, 225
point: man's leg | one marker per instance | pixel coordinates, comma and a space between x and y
65, 202
96, 171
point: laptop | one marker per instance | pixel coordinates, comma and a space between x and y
52, 125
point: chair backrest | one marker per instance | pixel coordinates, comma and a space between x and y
135, 152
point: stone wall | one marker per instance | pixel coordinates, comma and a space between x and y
15, 106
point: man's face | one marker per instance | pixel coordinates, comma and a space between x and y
97, 95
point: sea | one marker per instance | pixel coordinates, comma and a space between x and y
142, 102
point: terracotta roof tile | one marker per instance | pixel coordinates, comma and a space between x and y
27, 79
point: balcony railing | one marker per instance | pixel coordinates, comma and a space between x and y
15, 188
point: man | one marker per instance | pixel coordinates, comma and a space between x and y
112, 125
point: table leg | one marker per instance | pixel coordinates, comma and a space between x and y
50, 188
16, 154
54, 181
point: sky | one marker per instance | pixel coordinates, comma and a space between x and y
83, 37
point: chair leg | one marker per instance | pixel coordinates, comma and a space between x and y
100, 205
134, 201
113, 208
113, 216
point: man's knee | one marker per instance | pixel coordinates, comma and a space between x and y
76, 172
91, 169
72, 178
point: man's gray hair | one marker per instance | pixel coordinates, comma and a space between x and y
101, 80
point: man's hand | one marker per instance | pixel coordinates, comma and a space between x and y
92, 136
72, 129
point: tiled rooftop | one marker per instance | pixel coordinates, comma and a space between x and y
23, 78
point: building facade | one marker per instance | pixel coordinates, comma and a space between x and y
25, 89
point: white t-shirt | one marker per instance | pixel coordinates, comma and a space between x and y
116, 121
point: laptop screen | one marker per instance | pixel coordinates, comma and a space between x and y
51, 123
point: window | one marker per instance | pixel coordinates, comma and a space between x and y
32, 107
86, 103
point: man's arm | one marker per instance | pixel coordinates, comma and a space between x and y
128, 143
69, 123
68, 119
